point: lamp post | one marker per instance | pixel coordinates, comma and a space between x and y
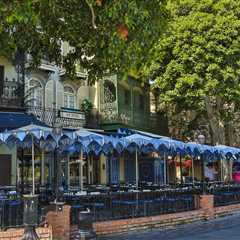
30, 217
201, 140
30, 213
30, 202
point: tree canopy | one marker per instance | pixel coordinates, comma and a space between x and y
105, 34
196, 64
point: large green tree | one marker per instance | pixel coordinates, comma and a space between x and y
105, 34
196, 64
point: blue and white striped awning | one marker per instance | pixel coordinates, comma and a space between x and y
92, 142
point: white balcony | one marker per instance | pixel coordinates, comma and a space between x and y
44, 65
66, 118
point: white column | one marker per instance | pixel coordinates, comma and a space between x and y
81, 171
90, 162
136, 162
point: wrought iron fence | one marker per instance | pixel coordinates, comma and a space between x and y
11, 213
112, 206
16, 103
226, 194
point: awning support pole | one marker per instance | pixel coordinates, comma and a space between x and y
33, 169
137, 177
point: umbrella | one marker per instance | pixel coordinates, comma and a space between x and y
92, 142
162, 144
17, 136
195, 149
88, 142
27, 136
167, 146
138, 141
227, 151
87, 137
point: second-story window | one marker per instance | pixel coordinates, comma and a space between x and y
35, 94
110, 94
69, 97
127, 97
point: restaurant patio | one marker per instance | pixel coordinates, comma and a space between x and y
114, 176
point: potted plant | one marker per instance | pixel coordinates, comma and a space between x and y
86, 106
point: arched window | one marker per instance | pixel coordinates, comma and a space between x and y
35, 93
109, 92
69, 97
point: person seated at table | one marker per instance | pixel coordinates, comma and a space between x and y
210, 172
236, 172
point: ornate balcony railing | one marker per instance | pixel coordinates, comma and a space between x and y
140, 120
11, 94
11, 103
64, 117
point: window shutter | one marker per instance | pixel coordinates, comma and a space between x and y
49, 94
60, 95
93, 96
83, 93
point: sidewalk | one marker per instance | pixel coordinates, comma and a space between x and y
226, 228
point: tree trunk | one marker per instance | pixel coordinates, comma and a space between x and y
217, 124
230, 138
